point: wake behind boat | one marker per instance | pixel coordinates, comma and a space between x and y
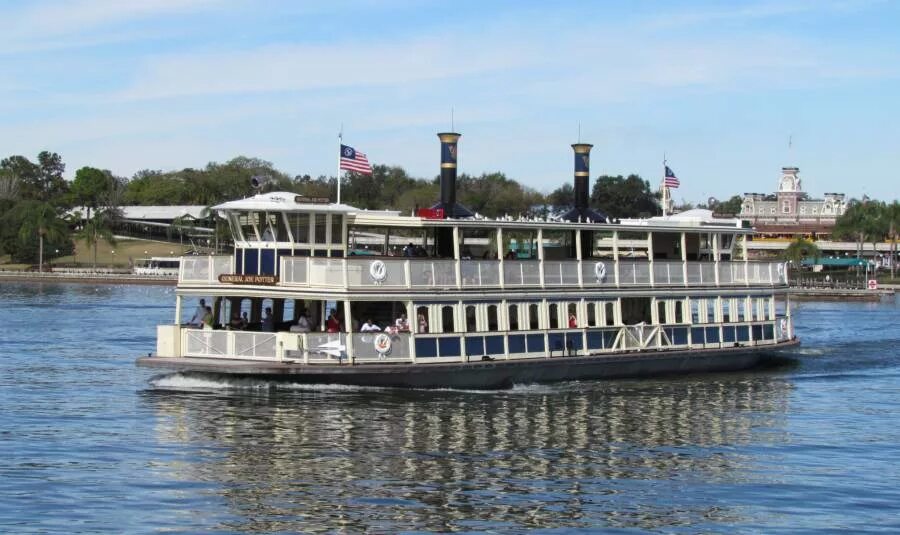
321, 292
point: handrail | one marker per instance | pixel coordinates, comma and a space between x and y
372, 273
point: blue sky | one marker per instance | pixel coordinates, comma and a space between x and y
718, 87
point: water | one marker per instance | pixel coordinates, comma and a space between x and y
90, 443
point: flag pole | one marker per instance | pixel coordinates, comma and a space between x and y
340, 142
665, 190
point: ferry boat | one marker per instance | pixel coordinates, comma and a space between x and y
321, 292
157, 266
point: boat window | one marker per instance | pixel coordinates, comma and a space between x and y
554, 316
572, 312
471, 323
248, 222
711, 309
520, 245
661, 311
320, 228
636, 310
422, 320
513, 318
592, 314
698, 309
679, 311
492, 318
299, 227
610, 310
273, 228
447, 319
337, 237
533, 317
726, 310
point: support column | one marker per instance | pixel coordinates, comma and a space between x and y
540, 254
178, 300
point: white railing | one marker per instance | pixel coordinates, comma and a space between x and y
229, 344
295, 270
374, 347
375, 272
360, 348
634, 273
560, 273
668, 273
522, 273
204, 268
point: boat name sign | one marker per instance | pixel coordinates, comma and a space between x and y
241, 278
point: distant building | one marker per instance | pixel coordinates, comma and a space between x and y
789, 212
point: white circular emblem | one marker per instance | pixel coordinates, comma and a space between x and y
382, 344
600, 271
378, 271
348, 152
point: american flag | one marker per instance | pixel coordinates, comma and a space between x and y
353, 160
670, 181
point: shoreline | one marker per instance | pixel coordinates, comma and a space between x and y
95, 278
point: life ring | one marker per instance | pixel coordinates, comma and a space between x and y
382, 344
378, 271
600, 271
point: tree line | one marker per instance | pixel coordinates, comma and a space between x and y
42, 211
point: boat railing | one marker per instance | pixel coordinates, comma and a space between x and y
244, 345
204, 268
434, 273
386, 347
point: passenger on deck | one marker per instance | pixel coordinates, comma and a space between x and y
334, 324
409, 250
245, 321
573, 321
208, 319
423, 324
511, 255
401, 323
236, 323
197, 318
302, 325
268, 322
369, 327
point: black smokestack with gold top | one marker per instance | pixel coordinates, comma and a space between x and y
582, 210
449, 155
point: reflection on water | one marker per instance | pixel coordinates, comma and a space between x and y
574, 455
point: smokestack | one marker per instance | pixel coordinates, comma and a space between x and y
448, 177
582, 174
582, 211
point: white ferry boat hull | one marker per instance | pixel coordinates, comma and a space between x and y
492, 374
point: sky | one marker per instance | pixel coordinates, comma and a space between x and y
727, 92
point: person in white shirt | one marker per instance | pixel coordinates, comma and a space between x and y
197, 318
302, 325
401, 323
369, 327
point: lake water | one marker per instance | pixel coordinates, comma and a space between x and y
90, 443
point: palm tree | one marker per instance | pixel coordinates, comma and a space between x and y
799, 249
95, 229
41, 218
892, 213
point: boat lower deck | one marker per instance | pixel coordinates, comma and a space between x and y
497, 373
